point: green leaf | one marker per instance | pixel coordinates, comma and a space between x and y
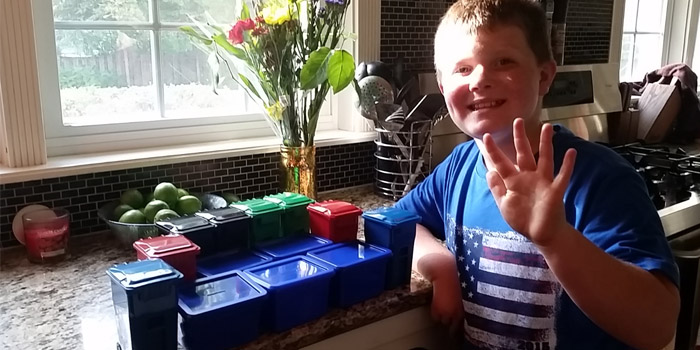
314, 71
194, 34
341, 70
223, 42
245, 13
249, 85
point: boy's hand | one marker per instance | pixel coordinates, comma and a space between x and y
527, 194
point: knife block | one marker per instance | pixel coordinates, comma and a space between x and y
658, 108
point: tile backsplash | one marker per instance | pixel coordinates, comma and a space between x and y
408, 27
247, 176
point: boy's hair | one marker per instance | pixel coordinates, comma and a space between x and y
528, 15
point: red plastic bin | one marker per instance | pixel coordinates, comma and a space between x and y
334, 220
176, 250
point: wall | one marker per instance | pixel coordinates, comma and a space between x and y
408, 27
247, 176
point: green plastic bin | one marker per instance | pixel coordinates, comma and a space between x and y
266, 219
295, 217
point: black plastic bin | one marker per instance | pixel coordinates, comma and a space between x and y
686, 250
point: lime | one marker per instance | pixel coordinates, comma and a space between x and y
188, 205
181, 192
120, 210
166, 192
133, 217
230, 197
154, 207
165, 214
132, 198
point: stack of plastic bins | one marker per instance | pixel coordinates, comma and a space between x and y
227, 262
360, 271
295, 218
196, 229
335, 220
145, 304
266, 219
394, 229
220, 312
297, 288
178, 251
289, 246
232, 226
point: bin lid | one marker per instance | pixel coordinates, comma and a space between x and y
391, 216
184, 224
141, 273
289, 199
216, 292
288, 246
335, 208
349, 253
223, 215
156, 247
227, 262
257, 206
288, 271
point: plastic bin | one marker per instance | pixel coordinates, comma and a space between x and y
196, 229
178, 251
227, 262
232, 228
298, 289
395, 229
289, 246
335, 220
145, 304
266, 219
360, 271
295, 217
221, 312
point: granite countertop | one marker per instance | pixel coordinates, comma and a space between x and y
68, 305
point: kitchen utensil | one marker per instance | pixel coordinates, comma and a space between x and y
17, 226
373, 90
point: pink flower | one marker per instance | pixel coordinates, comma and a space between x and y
235, 35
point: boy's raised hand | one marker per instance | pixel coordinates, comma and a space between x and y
527, 194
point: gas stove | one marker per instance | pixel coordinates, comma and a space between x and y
672, 176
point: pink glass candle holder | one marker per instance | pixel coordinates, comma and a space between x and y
46, 235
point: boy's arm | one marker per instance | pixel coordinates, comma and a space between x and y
437, 264
634, 305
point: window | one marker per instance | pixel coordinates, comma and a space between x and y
642, 38
696, 54
125, 77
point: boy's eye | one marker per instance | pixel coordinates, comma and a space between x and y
463, 70
504, 61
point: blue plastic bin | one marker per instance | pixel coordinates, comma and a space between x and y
290, 246
394, 229
298, 289
227, 262
360, 271
221, 312
145, 304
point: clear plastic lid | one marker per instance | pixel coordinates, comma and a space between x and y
216, 292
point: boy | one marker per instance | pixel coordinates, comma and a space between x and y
541, 254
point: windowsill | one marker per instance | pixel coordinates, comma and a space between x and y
97, 162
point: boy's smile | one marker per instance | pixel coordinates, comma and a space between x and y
491, 79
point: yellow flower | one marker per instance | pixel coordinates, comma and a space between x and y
275, 111
277, 12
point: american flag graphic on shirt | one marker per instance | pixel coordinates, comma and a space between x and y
508, 292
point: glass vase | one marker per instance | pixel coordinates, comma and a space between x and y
298, 170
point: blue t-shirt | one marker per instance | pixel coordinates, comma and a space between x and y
511, 299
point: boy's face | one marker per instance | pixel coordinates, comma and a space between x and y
491, 78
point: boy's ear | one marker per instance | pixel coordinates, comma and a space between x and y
547, 71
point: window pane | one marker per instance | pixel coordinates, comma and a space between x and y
696, 55
224, 12
626, 59
100, 10
187, 82
651, 16
647, 55
630, 15
105, 76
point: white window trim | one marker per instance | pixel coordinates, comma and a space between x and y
364, 20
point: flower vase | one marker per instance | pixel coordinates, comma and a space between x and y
298, 170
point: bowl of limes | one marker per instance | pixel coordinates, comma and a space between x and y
132, 217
